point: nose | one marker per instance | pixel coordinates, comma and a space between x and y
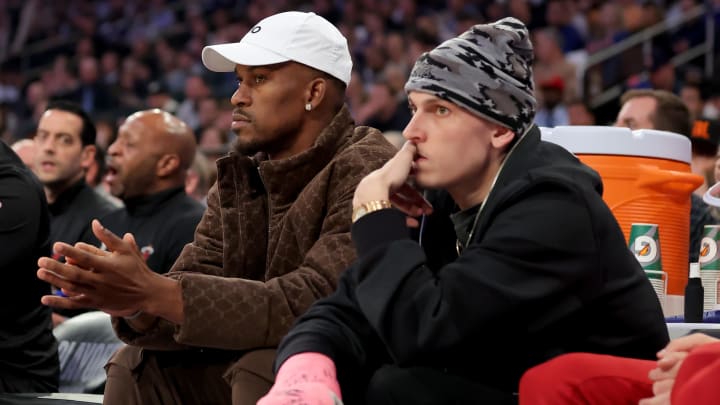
241, 96
413, 130
113, 149
45, 144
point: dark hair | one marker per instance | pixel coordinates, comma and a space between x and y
671, 113
87, 132
101, 165
334, 82
703, 88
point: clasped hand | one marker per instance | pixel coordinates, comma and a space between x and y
670, 359
114, 281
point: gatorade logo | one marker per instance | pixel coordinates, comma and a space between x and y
708, 250
646, 249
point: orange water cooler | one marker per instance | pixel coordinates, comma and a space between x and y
647, 179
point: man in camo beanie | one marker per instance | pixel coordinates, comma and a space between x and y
486, 70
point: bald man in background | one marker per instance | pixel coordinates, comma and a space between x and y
147, 166
26, 150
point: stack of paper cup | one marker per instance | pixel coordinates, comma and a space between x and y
710, 264
645, 245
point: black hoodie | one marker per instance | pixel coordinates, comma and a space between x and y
547, 272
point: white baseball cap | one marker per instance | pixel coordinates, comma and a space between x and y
305, 38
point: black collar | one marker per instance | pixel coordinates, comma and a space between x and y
146, 205
65, 199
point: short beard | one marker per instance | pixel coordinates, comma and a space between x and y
253, 147
247, 148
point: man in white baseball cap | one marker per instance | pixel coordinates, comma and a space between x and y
305, 38
275, 236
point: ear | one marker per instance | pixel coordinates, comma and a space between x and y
87, 156
502, 137
167, 165
316, 92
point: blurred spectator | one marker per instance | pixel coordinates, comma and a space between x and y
662, 72
195, 91
84, 48
688, 34
110, 68
550, 63
59, 80
132, 85
528, 12
30, 110
661, 75
355, 93
65, 150
26, 150
373, 58
208, 112
28, 353
114, 20
395, 48
705, 137
213, 138
149, 24
147, 167
95, 176
141, 50
608, 25
9, 91
383, 110
662, 110
8, 122
448, 20
159, 97
579, 113
91, 94
105, 132
213, 153
176, 74
604, 22
552, 112
712, 106
395, 76
694, 95
421, 40
560, 14
200, 177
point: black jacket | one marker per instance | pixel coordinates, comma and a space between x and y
28, 350
162, 223
547, 272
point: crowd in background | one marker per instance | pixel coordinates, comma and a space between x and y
115, 57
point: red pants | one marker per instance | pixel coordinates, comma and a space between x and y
583, 378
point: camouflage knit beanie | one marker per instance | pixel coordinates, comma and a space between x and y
487, 70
